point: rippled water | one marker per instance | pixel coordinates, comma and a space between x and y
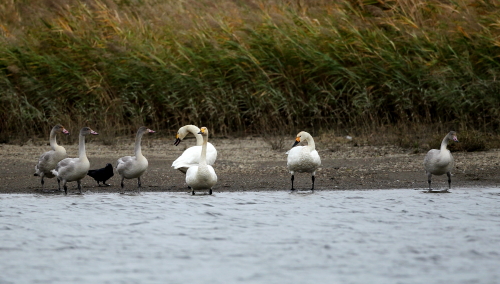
383, 236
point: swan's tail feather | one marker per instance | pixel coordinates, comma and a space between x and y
54, 172
183, 165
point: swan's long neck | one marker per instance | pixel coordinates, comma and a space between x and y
81, 147
193, 129
137, 147
444, 143
203, 158
53, 142
310, 143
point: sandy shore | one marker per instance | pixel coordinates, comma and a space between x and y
249, 164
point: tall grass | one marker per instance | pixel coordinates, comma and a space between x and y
247, 66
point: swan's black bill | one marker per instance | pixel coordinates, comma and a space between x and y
177, 141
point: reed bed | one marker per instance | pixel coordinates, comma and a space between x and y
248, 66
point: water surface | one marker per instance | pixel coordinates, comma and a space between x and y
381, 236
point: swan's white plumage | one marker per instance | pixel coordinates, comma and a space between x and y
439, 162
74, 169
202, 176
303, 158
191, 156
198, 177
130, 167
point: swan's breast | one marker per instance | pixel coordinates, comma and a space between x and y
303, 159
201, 177
438, 162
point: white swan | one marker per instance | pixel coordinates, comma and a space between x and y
191, 156
133, 167
439, 162
74, 169
48, 160
303, 158
203, 175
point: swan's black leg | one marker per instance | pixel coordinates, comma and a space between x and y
79, 186
65, 188
59, 184
139, 184
192, 191
122, 182
429, 175
292, 182
312, 177
42, 182
449, 179
210, 191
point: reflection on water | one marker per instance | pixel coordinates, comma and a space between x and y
383, 236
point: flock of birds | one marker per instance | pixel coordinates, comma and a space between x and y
196, 162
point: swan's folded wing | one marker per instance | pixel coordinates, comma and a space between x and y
124, 160
431, 157
45, 157
46, 160
315, 156
211, 154
66, 163
65, 166
191, 156
183, 166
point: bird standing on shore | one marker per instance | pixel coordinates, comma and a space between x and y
48, 160
102, 174
74, 169
191, 156
439, 162
203, 175
303, 159
130, 167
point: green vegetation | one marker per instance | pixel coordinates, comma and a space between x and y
240, 66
